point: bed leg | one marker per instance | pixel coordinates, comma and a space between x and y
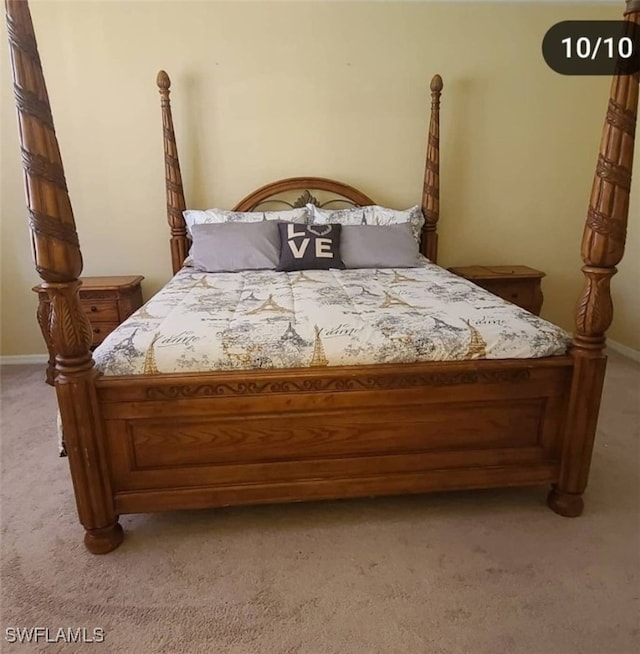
82, 426
83, 439
565, 497
569, 505
81, 418
104, 540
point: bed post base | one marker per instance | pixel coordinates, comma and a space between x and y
589, 369
104, 540
568, 505
79, 410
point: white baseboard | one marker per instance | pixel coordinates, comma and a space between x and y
624, 350
13, 360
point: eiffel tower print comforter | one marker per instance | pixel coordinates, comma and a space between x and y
264, 319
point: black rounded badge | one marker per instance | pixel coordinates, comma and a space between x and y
593, 47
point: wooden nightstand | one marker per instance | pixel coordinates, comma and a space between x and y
107, 301
518, 284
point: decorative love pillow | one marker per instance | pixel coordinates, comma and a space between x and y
309, 247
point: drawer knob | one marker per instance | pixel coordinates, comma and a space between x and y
514, 296
94, 309
96, 330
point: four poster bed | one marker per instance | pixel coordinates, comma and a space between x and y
154, 441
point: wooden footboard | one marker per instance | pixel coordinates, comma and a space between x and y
237, 438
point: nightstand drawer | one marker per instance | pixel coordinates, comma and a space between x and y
100, 330
516, 292
101, 310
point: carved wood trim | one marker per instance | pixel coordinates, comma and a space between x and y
42, 315
338, 384
69, 328
431, 184
173, 178
605, 229
53, 234
621, 118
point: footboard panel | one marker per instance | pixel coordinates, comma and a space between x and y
190, 442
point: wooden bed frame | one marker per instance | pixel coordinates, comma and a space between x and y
177, 441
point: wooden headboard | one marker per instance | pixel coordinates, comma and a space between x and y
276, 193
305, 187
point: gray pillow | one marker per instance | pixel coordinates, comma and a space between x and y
231, 247
379, 246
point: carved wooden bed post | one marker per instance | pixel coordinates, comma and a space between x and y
431, 187
58, 260
602, 249
173, 179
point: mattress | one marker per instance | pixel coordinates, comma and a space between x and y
202, 322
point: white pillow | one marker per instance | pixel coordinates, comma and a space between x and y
350, 216
209, 216
369, 215
299, 215
376, 215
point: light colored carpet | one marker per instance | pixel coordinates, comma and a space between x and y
474, 572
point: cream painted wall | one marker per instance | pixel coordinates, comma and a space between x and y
270, 90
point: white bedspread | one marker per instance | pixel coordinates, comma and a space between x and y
262, 319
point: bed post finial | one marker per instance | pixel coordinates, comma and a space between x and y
163, 81
603, 244
58, 260
431, 185
173, 179
632, 6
